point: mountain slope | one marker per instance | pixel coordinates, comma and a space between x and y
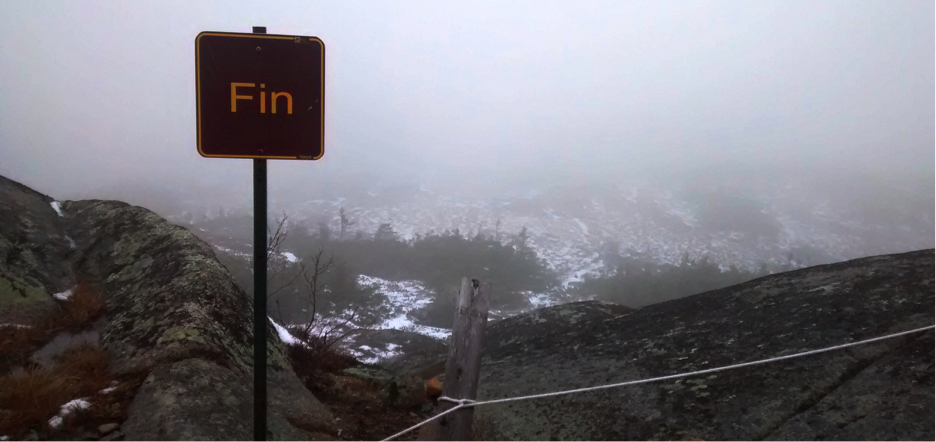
837, 395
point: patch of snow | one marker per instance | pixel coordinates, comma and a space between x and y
55, 422
75, 404
581, 225
233, 252
284, 334
540, 300
68, 408
64, 295
107, 390
401, 298
57, 207
71, 242
14, 325
579, 274
290, 257
405, 294
392, 350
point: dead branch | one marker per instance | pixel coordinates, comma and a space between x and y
350, 331
275, 239
278, 264
311, 278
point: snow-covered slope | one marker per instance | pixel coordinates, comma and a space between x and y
569, 225
572, 228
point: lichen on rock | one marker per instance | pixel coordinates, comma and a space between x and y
33, 251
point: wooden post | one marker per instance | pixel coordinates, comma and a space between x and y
464, 360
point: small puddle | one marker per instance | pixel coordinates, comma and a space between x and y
46, 355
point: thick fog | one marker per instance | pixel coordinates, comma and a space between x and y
97, 99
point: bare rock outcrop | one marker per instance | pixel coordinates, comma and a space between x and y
878, 391
172, 312
33, 248
882, 390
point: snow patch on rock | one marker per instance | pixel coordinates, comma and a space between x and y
63, 296
284, 334
57, 207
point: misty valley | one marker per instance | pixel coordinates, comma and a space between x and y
422, 220
362, 286
397, 254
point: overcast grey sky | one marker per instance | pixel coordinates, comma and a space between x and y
97, 94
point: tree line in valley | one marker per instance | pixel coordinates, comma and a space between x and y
440, 260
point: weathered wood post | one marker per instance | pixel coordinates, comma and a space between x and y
464, 359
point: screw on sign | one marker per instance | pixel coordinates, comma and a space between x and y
260, 96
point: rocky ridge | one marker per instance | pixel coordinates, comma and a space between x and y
882, 390
172, 312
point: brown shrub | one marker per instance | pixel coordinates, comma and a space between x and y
313, 363
36, 396
91, 361
16, 344
85, 304
32, 398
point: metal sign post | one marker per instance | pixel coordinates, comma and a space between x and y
260, 289
260, 315
260, 96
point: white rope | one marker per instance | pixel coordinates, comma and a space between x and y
699, 372
424, 422
471, 403
458, 401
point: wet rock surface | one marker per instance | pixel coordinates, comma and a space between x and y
845, 394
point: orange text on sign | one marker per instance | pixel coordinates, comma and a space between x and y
273, 97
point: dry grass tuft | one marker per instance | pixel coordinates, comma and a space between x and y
33, 398
28, 400
16, 344
85, 304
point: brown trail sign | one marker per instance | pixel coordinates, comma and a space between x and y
263, 97
260, 96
